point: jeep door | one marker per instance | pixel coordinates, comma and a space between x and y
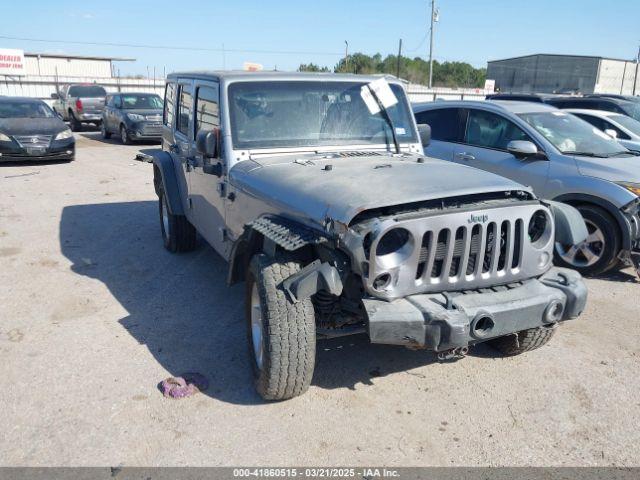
207, 189
176, 138
447, 129
484, 146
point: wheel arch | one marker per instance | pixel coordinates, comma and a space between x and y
624, 229
164, 175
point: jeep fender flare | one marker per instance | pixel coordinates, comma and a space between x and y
164, 174
621, 220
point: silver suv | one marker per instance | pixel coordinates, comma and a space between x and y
315, 189
561, 157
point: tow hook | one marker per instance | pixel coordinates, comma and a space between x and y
453, 353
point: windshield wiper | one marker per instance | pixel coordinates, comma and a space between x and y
622, 152
386, 116
583, 154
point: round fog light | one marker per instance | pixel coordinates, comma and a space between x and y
382, 281
553, 312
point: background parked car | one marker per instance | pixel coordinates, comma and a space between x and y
133, 116
623, 128
561, 156
80, 104
30, 130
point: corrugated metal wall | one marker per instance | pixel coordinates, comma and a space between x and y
68, 67
617, 77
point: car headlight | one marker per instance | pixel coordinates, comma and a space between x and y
4, 138
632, 187
64, 134
134, 117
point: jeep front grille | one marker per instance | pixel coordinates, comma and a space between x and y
457, 250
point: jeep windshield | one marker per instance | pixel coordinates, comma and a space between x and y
572, 135
276, 114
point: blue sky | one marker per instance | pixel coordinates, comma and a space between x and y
469, 30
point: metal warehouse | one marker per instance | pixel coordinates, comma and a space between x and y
69, 65
546, 73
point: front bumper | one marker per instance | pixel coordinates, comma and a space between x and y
145, 131
444, 321
58, 150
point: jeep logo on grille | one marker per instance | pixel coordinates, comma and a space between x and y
478, 218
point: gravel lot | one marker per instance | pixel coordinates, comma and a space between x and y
94, 313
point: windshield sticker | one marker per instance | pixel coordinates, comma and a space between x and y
383, 94
400, 131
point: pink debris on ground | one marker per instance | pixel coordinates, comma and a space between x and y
188, 384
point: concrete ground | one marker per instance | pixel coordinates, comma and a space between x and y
94, 313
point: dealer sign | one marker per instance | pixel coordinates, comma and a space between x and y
11, 62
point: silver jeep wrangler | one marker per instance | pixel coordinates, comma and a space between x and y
315, 189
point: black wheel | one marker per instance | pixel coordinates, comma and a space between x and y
124, 136
76, 126
281, 334
177, 232
599, 253
523, 341
103, 130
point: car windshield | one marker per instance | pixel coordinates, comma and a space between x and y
570, 134
627, 122
25, 110
151, 101
273, 114
633, 110
87, 91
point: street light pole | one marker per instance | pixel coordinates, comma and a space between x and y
433, 14
346, 56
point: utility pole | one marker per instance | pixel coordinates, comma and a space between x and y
398, 62
346, 56
433, 15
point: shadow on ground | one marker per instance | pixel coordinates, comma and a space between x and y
180, 307
114, 140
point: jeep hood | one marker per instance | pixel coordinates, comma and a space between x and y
616, 169
306, 187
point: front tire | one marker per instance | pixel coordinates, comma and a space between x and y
599, 253
281, 334
124, 136
177, 232
523, 341
105, 133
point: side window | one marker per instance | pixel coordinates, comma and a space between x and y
486, 129
169, 104
444, 123
117, 101
207, 108
606, 125
185, 102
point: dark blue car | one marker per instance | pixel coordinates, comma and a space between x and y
133, 116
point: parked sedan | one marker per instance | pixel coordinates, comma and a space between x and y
30, 130
561, 156
621, 127
133, 116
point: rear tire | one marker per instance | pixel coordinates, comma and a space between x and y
76, 126
600, 252
523, 341
281, 334
177, 232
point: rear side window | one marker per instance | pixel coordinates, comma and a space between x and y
169, 104
602, 124
207, 108
486, 129
87, 91
185, 102
444, 123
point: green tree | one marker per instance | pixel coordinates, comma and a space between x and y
312, 67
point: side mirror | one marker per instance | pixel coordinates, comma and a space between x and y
425, 134
522, 148
55, 96
207, 143
612, 133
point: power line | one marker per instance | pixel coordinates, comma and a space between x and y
172, 47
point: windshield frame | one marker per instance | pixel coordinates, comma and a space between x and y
333, 144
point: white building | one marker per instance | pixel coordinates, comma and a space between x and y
70, 65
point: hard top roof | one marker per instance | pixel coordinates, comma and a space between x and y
234, 75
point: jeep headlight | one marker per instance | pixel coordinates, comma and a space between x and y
539, 229
632, 187
64, 134
394, 247
134, 117
4, 138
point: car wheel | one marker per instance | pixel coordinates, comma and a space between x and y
281, 334
598, 253
178, 234
124, 136
523, 341
103, 130
76, 126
